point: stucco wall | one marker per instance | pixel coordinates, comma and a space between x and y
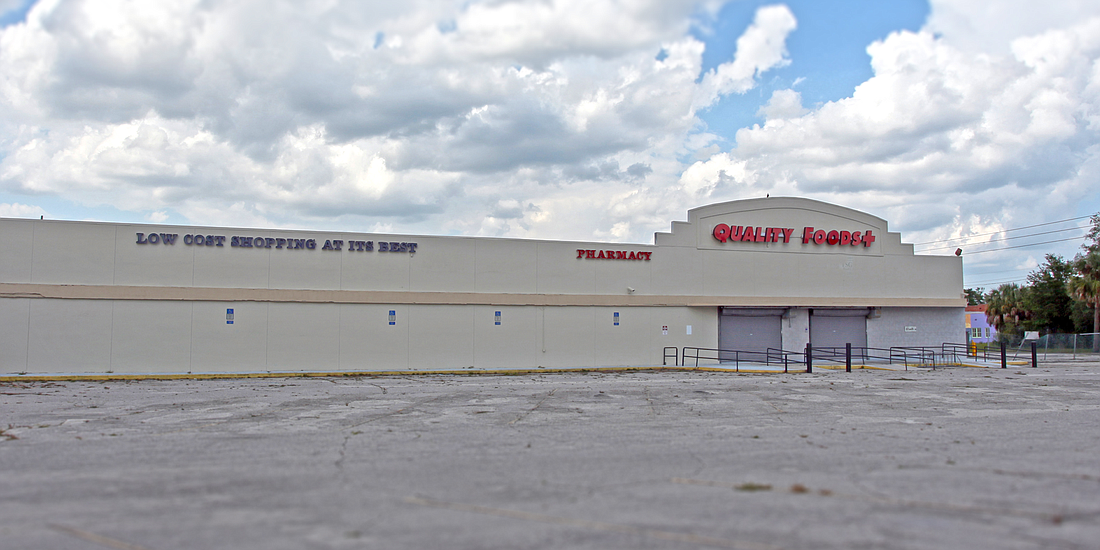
689, 263
929, 327
51, 336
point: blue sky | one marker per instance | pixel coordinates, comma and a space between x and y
828, 52
561, 119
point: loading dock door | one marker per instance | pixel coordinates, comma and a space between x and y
754, 330
832, 328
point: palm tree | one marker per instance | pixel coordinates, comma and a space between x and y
1085, 287
1006, 308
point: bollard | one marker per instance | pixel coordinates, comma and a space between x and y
848, 357
1004, 357
1034, 356
809, 358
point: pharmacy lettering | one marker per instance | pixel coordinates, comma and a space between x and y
584, 254
278, 243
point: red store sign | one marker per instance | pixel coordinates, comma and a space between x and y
832, 237
612, 255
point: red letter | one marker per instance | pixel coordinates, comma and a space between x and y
833, 237
760, 237
868, 238
647, 255
845, 238
748, 235
807, 235
819, 236
580, 253
590, 254
735, 233
787, 235
721, 232
856, 238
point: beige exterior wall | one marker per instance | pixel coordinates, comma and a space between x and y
134, 336
87, 297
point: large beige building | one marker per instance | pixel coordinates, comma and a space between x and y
746, 275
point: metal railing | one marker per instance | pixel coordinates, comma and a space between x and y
944, 355
675, 356
768, 357
908, 356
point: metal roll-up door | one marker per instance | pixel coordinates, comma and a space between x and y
750, 330
833, 328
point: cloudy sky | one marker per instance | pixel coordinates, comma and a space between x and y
557, 119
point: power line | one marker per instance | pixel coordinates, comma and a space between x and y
993, 283
1007, 238
1005, 230
996, 285
999, 272
1022, 246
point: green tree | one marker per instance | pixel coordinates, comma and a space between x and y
1093, 236
1047, 300
1084, 284
1006, 309
974, 296
1085, 287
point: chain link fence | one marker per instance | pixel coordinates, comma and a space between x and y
1077, 345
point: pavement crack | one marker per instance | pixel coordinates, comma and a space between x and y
649, 401
96, 538
532, 409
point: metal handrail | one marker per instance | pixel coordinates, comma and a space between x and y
675, 356
735, 356
909, 356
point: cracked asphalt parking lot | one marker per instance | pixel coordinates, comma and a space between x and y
956, 458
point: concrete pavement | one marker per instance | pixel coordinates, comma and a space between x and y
951, 458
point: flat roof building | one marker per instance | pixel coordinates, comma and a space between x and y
747, 275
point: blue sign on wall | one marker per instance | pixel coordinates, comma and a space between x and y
497, 318
393, 317
229, 316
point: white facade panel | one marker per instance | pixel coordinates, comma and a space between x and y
513, 343
505, 266
914, 327
15, 316
368, 342
18, 250
217, 346
441, 337
73, 253
234, 267
448, 268
69, 336
154, 264
149, 336
303, 337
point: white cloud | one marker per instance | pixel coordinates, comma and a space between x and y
941, 141
761, 47
990, 26
557, 119
16, 210
782, 105
419, 116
